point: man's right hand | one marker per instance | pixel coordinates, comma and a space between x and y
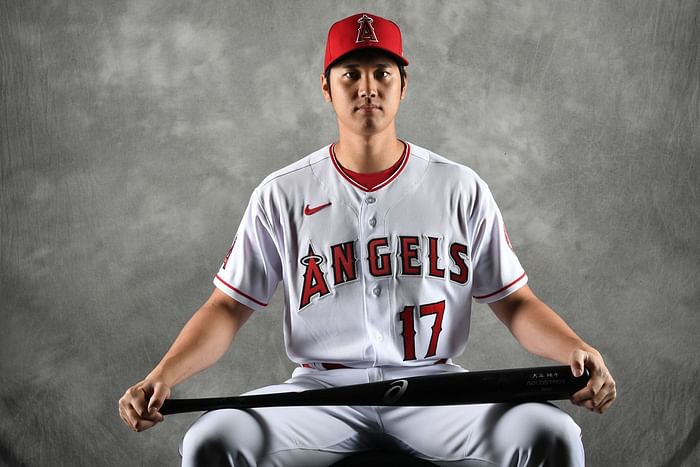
139, 406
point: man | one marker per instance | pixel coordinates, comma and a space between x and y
381, 246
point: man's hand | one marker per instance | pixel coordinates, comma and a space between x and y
601, 391
203, 340
541, 331
139, 405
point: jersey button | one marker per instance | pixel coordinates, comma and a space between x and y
371, 199
372, 222
377, 291
379, 337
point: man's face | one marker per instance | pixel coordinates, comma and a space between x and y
365, 90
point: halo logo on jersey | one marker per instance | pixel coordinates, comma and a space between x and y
314, 278
228, 253
505, 232
365, 32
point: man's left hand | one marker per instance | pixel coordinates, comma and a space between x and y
601, 390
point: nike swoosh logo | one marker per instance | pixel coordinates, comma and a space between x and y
308, 210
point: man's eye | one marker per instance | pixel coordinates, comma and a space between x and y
383, 74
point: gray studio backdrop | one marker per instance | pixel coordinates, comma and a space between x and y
132, 133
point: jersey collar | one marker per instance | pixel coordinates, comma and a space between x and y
343, 172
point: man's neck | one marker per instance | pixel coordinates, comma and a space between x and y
368, 154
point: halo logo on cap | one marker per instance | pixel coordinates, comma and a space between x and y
366, 32
363, 31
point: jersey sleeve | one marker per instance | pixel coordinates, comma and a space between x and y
496, 268
252, 267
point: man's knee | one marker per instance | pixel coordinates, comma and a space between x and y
212, 452
540, 434
224, 438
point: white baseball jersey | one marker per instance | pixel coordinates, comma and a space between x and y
372, 278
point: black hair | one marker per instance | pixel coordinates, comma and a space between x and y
402, 73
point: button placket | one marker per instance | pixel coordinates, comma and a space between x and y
372, 221
372, 297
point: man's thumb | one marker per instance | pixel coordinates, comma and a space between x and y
157, 398
577, 368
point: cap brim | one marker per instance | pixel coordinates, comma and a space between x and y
398, 59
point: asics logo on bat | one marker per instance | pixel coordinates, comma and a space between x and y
395, 391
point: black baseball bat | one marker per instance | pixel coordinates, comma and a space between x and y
535, 384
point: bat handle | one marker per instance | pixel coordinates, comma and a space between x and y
171, 406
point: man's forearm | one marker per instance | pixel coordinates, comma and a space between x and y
541, 331
537, 327
202, 341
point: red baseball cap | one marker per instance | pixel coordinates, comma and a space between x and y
361, 31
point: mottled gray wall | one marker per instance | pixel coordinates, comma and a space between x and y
132, 133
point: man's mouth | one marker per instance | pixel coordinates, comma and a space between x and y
368, 108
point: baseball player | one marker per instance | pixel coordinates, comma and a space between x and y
381, 246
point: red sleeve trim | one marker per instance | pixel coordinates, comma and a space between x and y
481, 297
239, 292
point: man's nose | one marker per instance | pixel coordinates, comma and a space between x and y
368, 87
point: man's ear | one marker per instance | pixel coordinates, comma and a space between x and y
325, 88
405, 85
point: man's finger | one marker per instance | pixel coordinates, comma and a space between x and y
138, 400
137, 422
124, 409
586, 404
160, 393
608, 398
143, 425
131, 417
605, 406
582, 395
597, 384
603, 394
121, 415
